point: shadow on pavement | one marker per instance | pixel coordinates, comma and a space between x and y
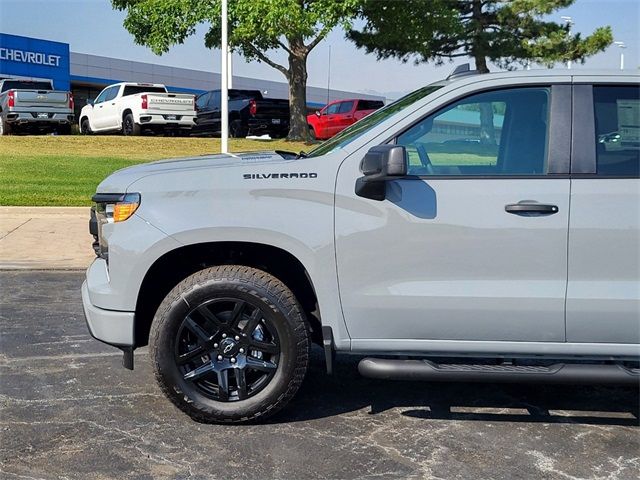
346, 391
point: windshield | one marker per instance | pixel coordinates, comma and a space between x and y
348, 135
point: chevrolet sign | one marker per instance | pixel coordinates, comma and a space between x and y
37, 58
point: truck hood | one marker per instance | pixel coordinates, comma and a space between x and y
118, 181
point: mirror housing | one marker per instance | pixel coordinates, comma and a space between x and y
90, 101
318, 113
381, 164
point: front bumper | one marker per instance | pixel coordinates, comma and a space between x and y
108, 326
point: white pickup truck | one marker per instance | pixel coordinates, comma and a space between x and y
132, 108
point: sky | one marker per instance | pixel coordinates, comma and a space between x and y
92, 26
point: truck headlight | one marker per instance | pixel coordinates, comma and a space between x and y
110, 208
116, 207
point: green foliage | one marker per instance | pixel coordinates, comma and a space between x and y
255, 28
507, 32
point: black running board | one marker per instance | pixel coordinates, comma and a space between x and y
426, 370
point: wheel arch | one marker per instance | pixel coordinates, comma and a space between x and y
175, 265
126, 112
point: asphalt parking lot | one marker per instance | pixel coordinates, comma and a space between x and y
69, 410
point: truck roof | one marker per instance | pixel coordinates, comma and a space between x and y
471, 76
139, 84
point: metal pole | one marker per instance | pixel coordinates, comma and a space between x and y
230, 81
621, 46
569, 22
224, 79
329, 75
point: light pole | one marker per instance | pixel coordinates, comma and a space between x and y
329, 75
622, 46
224, 82
569, 22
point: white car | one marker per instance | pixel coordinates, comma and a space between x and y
131, 108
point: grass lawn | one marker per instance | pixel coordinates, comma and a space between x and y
65, 170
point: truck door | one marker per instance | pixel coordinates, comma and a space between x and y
344, 117
98, 113
110, 114
603, 294
472, 245
327, 120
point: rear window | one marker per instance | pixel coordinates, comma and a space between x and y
370, 104
134, 89
25, 85
617, 115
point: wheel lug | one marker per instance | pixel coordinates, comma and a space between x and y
237, 338
233, 360
224, 335
215, 345
220, 357
241, 350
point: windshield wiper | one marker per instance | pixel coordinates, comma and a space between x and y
289, 155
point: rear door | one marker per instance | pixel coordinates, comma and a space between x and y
472, 245
603, 294
344, 117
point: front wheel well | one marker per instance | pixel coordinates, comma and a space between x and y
178, 264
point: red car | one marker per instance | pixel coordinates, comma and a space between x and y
338, 115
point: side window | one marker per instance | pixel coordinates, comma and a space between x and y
214, 100
201, 101
101, 97
617, 115
502, 132
331, 109
369, 105
111, 93
345, 107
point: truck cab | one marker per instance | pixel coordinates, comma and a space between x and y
482, 228
338, 115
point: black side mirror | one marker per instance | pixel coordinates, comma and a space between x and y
380, 164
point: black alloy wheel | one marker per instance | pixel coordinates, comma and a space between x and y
228, 349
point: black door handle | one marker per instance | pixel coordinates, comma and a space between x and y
531, 209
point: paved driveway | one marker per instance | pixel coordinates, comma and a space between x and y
70, 411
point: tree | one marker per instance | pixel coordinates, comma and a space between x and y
256, 29
506, 32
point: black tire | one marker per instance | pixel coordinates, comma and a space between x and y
312, 134
280, 319
130, 127
237, 130
64, 130
85, 127
5, 127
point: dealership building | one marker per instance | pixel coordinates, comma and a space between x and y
86, 75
